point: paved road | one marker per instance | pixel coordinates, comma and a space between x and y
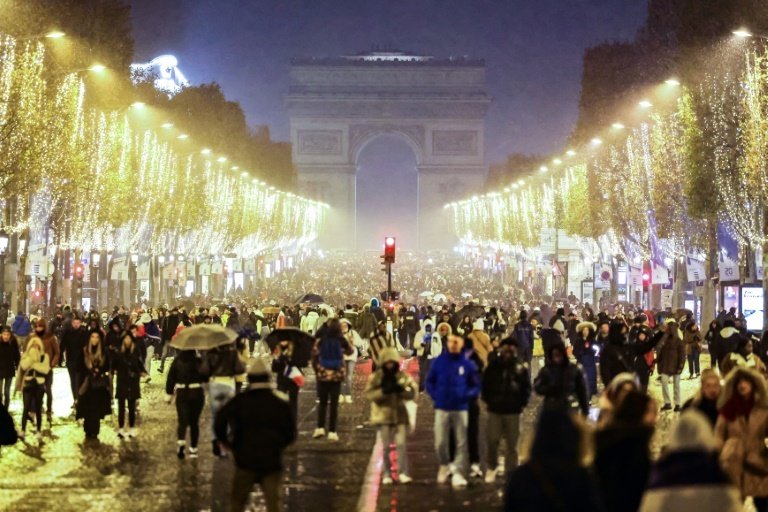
65, 474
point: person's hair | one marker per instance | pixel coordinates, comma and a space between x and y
333, 328
632, 408
127, 334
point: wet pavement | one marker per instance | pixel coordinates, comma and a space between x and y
65, 474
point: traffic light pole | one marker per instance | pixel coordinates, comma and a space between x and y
389, 281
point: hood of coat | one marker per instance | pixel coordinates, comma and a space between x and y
729, 386
588, 325
692, 432
727, 332
447, 325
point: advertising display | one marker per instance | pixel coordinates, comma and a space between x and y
730, 297
752, 307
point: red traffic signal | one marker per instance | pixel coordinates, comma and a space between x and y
389, 249
79, 271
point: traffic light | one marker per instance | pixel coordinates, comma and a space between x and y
79, 271
389, 249
384, 264
37, 294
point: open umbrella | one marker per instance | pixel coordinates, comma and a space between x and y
426, 294
473, 310
439, 297
302, 344
312, 298
203, 337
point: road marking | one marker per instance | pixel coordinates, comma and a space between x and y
369, 493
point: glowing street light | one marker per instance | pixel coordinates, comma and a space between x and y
645, 104
205, 151
221, 159
167, 126
570, 152
557, 161
183, 136
97, 68
617, 126
672, 81
55, 34
543, 168
596, 141
742, 33
138, 104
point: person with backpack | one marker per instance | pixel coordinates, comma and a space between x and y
328, 363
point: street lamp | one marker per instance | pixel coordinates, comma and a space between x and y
97, 68
55, 34
4, 238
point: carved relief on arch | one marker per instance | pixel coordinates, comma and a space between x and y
359, 134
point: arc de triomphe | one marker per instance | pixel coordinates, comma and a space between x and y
337, 106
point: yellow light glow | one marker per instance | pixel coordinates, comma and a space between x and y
557, 161
97, 68
672, 81
570, 152
645, 104
166, 125
543, 168
55, 34
617, 126
742, 32
596, 141
206, 151
138, 104
183, 136
221, 159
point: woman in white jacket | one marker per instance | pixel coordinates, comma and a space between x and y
350, 360
33, 369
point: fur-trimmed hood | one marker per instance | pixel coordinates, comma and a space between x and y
591, 326
729, 386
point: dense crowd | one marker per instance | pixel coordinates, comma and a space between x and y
478, 359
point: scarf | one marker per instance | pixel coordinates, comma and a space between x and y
736, 407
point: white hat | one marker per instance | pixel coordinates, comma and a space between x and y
692, 432
478, 324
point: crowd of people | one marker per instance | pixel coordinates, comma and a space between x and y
477, 361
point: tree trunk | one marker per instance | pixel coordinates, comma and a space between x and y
709, 302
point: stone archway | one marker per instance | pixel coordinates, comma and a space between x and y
438, 107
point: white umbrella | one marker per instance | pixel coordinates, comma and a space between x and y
426, 294
439, 297
203, 337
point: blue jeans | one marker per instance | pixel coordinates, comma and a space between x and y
693, 361
445, 421
346, 386
220, 393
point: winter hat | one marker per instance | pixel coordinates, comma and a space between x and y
558, 325
40, 323
692, 433
258, 371
145, 318
389, 354
478, 325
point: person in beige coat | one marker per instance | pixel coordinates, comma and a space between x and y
388, 389
481, 342
741, 430
33, 369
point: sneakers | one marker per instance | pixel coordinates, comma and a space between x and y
121, 433
667, 407
133, 432
319, 432
348, 399
458, 481
475, 471
677, 408
333, 436
180, 452
386, 480
404, 479
490, 476
193, 453
442, 474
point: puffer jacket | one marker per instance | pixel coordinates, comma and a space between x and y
389, 408
671, 355
453, 380
506, 385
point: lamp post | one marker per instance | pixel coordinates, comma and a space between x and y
4, 238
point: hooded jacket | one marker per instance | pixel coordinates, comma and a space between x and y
562, 385
429, 345
453, 380
21, 326
671, 354
388, 408
506, 385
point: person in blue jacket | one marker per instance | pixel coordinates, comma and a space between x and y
453, 380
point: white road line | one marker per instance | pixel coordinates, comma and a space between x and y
369, 493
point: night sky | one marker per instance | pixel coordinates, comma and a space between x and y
532, 49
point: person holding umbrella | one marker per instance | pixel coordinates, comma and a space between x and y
220, 364
283, 366
186, 382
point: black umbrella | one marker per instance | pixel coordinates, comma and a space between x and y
473, 310
312, 298
302, 344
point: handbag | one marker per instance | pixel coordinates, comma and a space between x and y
411, 407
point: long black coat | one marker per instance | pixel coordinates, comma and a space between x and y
9, 357
622, 465
262, 426
73, 342
128, 369
506, 385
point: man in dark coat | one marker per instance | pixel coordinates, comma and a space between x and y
523, 333
261, 427
506, 389
562, 383
169, 325
73, 342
